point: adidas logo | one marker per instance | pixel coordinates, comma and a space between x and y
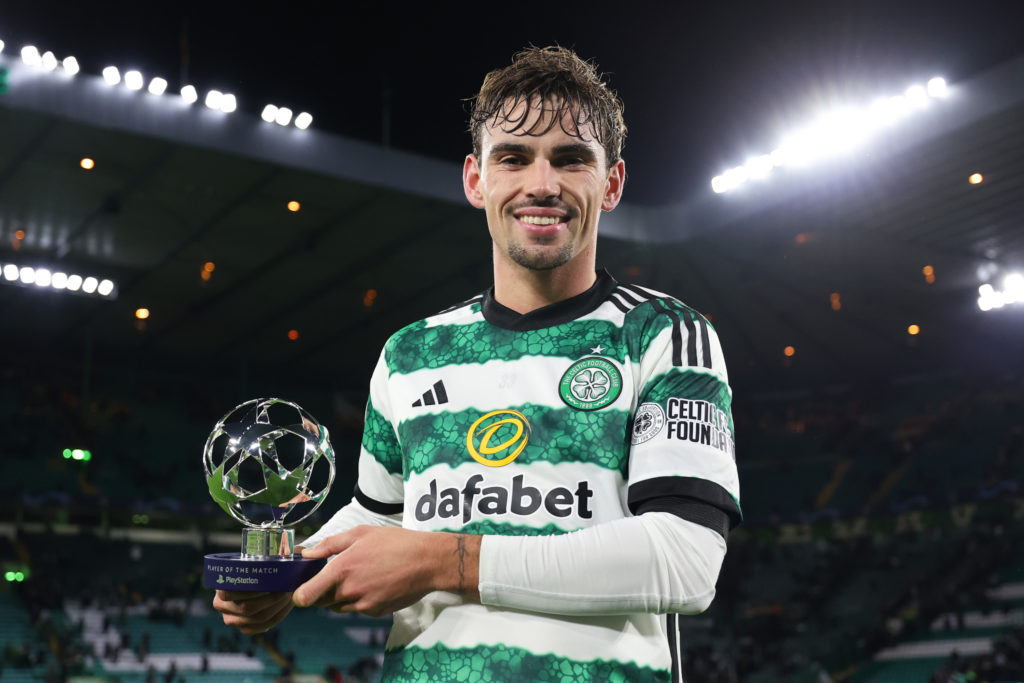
433, 396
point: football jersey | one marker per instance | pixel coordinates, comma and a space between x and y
481, 420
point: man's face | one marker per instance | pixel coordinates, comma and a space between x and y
543, 194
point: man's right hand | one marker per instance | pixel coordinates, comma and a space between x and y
252, 613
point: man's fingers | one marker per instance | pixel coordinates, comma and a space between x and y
332, 545
252, 626
252, 609
239, 596
313, 590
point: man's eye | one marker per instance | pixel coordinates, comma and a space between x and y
510, 161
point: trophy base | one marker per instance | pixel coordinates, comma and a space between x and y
233, 572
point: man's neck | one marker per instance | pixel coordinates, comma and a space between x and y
524, 290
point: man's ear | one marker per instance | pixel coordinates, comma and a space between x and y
613, 186
471, 181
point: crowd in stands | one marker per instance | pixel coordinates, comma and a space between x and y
1004, 663
812, 608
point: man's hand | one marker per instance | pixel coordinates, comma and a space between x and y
252, 613
382, 569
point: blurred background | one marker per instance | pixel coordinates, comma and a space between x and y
200, 205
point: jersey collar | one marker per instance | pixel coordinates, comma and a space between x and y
552, 314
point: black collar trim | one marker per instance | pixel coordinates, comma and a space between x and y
552, 314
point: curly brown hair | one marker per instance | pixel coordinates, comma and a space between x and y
557, 80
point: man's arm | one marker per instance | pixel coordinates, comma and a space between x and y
378, 571
655, 562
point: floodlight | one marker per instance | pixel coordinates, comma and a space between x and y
736, 176
30, 55
70, 65
917, 96
986, 290
11, 272
74, 282
758, 167
189, 94
90, 284
1013, 287
157, 86
228, 103
937, 87
269, 113
133, 80
1, 46
27, 275
59, 281
111, 75
284, 116
105, 288
49, 61
213, 99
43, 277
303, 120
719, 185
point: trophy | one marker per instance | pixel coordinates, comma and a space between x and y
269, 464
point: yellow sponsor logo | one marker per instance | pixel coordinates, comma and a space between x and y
478, 439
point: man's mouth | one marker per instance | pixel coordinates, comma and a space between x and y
541, 220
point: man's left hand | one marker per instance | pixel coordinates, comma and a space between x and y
378, 570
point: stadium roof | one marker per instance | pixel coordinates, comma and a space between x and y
174, 188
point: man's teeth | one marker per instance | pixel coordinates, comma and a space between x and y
540, 220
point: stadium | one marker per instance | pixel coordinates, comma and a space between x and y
171, 247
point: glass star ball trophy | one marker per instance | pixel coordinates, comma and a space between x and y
269, 464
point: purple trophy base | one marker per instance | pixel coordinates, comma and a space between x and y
230, 571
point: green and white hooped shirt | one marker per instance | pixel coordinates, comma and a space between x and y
481, 420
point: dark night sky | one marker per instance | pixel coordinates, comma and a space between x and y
705, 84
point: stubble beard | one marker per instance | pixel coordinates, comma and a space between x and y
539, 260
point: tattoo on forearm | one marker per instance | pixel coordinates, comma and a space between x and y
460, 550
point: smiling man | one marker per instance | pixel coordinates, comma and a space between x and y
547, 477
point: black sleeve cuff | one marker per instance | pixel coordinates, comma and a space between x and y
377, 506
697, 500
691, 510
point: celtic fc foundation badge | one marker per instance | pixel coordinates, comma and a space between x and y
590, 383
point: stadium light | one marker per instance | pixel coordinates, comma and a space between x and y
111, 76
228, 103
831, 134
990, 298
269, 113
30, 56
157, 86
213, 99
937, 87
133, 80
189, 94
44, 278
1, 46
70, 65
48, 61
917, 96
284, 116
303, 120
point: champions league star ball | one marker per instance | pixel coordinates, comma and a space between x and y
268, 463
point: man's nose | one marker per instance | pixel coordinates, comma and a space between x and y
543, 180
